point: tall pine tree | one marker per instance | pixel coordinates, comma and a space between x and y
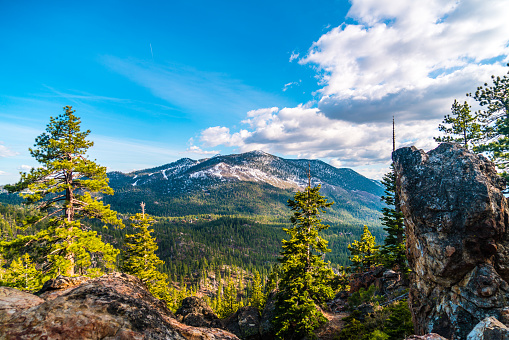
140, 260
68, 186
393, 252
305, 277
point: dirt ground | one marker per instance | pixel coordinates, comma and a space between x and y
331, 329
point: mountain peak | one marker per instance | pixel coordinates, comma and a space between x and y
257, 166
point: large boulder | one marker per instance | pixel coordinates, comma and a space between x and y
114, 306
245, 323
13, 301
195, 312
489, 329
456, 220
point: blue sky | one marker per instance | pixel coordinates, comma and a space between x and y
157, 81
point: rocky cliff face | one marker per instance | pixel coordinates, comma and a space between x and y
115, 306
457, 240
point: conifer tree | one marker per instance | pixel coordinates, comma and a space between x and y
364, 253
139, 258
305, 277
257, 299
495, 120
462, 127
23, 275
229, 303
392, 252
67, 186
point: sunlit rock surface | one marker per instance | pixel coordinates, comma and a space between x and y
115, 306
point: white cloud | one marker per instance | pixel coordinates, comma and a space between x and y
294, 56
404, 58
218, 135
2, 173
24, 167
290, 85
408, 58
6, 152
197, 150
308, 133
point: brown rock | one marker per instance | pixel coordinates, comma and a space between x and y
457, 241
114, 306
13, 301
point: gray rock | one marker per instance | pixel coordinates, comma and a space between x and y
195, 312
489, 329
267, 329
245, 323
456, 219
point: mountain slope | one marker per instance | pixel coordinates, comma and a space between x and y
252, 183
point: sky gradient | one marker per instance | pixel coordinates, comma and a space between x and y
158, 81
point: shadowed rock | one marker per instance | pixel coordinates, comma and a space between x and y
457, 241
195, 312
245, 323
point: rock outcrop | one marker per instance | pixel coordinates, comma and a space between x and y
114, 306
195, 312
489, 329
456, 219
245, 323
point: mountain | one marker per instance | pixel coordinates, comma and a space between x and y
252, 183
232, 209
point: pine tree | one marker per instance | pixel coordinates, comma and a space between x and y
257, 299
23, 275
63, 186
495, 120
462, 127
139, 258
305, 277
392, 252
364, 253
229, 303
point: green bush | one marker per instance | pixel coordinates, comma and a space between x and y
393, 322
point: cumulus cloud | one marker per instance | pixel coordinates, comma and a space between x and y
404, 58
6, 152
308, 133
408, 58
24, 167
294, 56
197, 150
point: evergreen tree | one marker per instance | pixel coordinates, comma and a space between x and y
23, 275
257, 299
393, 251
139, 258
462, 127
229, 303
364, 253
305, 277
63, 186
495, 120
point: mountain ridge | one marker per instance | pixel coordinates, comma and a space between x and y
256, 182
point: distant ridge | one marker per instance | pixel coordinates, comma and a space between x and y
239, 182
